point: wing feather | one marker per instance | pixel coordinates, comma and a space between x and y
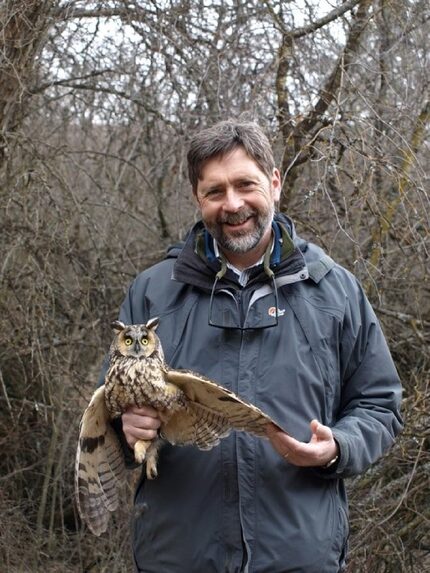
198, 425
225, 409
100, 466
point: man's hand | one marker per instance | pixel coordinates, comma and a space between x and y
140, 424
320, 450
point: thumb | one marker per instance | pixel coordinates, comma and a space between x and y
320, 431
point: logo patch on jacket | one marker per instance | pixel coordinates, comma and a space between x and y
272, 311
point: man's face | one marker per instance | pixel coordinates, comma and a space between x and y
237, 201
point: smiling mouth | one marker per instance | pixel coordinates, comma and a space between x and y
236, 221
237, 225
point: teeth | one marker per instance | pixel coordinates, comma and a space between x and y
233, 222
237, 219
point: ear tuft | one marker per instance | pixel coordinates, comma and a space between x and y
117, 326
152, 323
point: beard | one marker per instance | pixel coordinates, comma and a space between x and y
241, 241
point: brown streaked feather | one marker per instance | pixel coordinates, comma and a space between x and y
198, 425
99, 465
236, 413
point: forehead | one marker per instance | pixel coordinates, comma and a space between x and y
135, 330
236, 163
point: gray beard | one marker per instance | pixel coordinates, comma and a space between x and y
242, 242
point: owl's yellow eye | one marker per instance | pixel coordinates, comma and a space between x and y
128, 341
144, 341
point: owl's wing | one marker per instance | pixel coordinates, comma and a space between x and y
213, 412
100, 468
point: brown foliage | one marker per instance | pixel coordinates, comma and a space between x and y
97, 101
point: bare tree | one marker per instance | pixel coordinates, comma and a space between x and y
97, 103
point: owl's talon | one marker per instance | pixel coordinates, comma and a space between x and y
151, 471
140, 450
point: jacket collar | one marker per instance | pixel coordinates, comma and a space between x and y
197, 264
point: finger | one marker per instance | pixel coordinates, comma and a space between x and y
322, 432
140, 434
143, 411
281, 439
271, 430
134, 422
144, 428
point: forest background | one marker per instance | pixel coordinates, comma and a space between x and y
97, 103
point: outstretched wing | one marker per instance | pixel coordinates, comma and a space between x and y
99, 469
212, 413
196, 424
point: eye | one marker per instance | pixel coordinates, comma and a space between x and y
212, 193
128, 341
245, 184
144, 341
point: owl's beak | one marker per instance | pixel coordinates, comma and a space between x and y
136, 347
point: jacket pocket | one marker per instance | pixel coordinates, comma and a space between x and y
336, 558
343, 518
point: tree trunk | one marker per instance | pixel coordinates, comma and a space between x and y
23, 26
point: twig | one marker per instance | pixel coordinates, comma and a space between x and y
3, 385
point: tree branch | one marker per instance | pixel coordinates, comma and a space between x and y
385, 221
328, 91
327, 19
296, 148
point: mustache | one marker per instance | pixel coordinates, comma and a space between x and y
237, 218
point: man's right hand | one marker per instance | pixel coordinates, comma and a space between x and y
140, 424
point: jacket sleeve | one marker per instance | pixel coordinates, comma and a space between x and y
369, 415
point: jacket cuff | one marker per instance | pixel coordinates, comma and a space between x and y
337, 468
129, 460
342, 462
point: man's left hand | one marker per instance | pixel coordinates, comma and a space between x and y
319, 451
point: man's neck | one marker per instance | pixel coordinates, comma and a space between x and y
243, 261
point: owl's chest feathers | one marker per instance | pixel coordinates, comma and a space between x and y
140, 382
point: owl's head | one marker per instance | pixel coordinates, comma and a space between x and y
136, 340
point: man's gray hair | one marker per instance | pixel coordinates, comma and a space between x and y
224, 137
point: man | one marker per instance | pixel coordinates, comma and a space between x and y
250, 305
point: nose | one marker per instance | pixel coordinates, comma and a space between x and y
233, 201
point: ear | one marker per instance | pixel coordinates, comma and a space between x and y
276, 185
152, 323
117, 326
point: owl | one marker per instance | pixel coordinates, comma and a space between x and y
192, 410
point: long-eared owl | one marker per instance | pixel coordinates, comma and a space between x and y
192, 410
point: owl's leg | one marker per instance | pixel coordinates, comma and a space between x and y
152, 458
140, 449
147, 450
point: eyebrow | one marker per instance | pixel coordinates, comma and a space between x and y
236, 180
